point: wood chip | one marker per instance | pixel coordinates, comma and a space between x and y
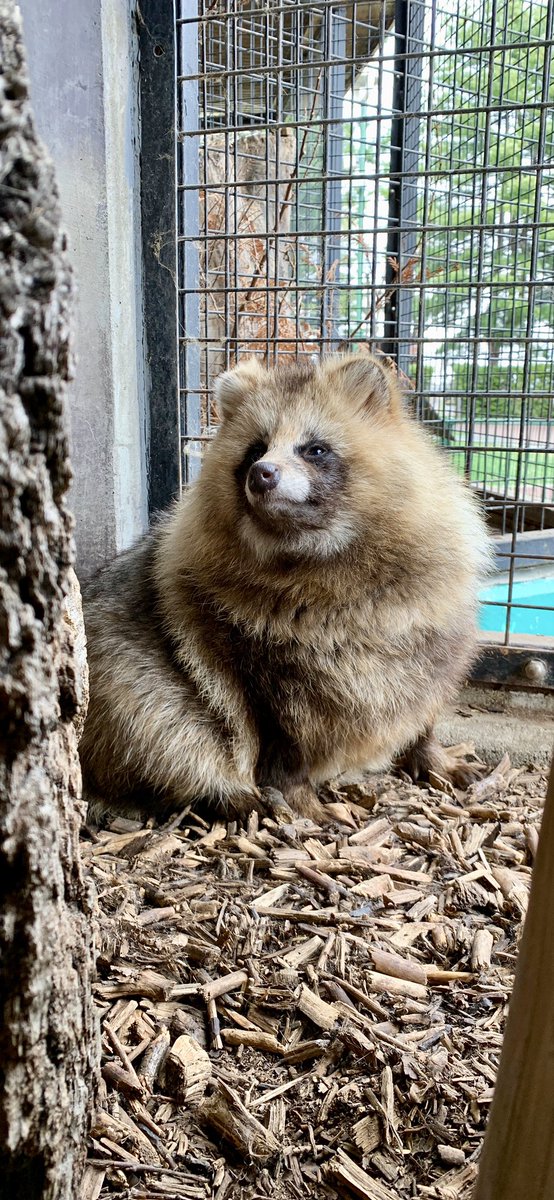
317, 1010
225, 984
91, 1184
367, 1134
270, 898
481, 950
378, 886
303, 952
225, 1112
188, 1070
376, 982
347, 1174
393, 964
255, 1038
153, 1059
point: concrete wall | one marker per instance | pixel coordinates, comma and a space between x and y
83, 65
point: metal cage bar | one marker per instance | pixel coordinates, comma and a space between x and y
161, 225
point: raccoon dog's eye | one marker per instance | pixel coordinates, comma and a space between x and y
315, 451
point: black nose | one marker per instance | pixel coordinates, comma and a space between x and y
263, 477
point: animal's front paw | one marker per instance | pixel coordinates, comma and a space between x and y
296, 799
303, 799
460, 771
236, 807
426, 760
276, 805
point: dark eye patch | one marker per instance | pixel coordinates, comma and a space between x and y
255, 451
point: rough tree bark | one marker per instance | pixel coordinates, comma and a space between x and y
48, 1041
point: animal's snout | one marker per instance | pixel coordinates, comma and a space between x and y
263, 477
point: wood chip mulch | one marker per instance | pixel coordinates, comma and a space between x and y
292, 1010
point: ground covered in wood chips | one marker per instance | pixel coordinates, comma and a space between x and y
293, 1010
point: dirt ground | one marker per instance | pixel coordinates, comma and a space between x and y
293, 1010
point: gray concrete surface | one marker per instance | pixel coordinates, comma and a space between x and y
499, 721
83, 66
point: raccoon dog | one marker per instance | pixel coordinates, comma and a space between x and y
306, 609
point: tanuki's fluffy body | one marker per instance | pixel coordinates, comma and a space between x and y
305, 610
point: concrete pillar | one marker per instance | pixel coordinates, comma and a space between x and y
84, 86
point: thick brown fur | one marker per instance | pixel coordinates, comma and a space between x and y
250, 642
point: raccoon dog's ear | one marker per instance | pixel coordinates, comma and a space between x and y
369, 385
231, 388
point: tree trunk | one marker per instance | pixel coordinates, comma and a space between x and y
517, 1162
48, 1039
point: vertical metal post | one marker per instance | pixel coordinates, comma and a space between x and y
188, 221
159, 241
335, 87
402, 244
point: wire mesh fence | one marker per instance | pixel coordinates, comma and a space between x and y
381, 175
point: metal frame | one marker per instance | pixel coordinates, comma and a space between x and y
405, 163
158, 67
